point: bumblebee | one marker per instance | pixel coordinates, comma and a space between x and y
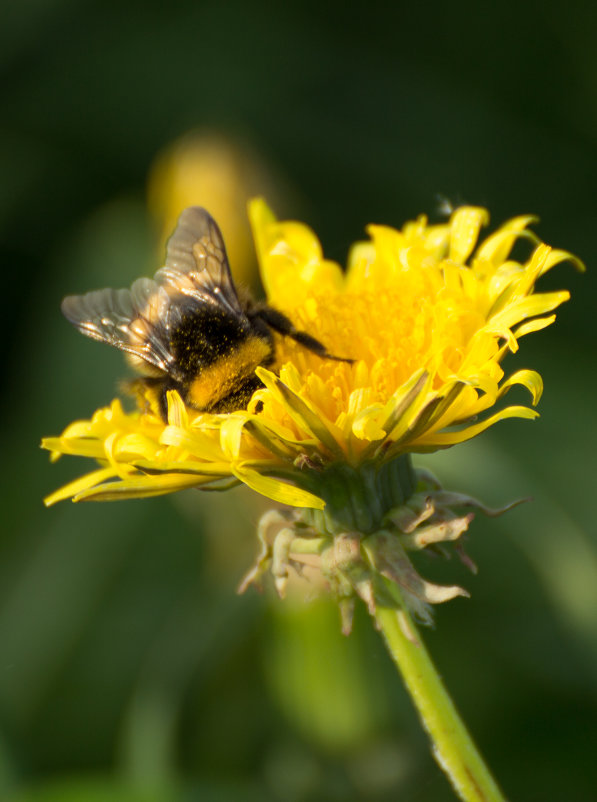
189, 329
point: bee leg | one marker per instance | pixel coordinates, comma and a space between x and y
280, 323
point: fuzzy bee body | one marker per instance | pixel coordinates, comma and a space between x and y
188, 329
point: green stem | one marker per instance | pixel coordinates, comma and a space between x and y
453, 747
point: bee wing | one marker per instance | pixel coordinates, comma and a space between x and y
137, 321
196, 262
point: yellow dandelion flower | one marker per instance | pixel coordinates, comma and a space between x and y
425, 313
418, 325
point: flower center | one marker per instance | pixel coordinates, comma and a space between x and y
393, 330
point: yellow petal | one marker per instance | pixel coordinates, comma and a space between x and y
276, 489
231, 432
366, 426
530, 306
195, 467
557, 256
80, 447
138, 487
177, 412
279, 439
406, 403
133, 446
79, 485
360, 258
437, 440
305, 417
527, 378
465, 225
497, 247
536, 324
290, 258
199, 441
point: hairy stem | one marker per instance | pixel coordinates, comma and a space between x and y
453, 747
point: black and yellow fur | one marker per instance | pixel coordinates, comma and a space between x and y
188, 329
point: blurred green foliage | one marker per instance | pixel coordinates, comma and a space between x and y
129, 669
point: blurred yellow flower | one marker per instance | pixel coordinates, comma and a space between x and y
222, 173
426, 313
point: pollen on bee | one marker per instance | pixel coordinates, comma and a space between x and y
225, 375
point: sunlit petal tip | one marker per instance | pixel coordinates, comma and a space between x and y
231, 432
557, 256
177, 412
465, 225
74, 489
498, 245
529, 379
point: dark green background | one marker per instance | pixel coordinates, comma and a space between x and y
129, 669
